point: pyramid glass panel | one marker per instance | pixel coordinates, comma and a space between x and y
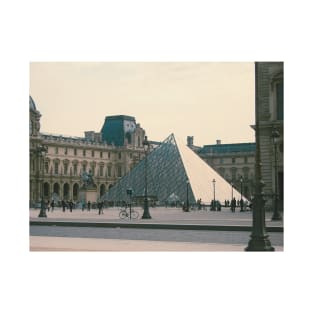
169, 167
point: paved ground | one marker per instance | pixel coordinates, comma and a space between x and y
38, 243
57, 238
160, 214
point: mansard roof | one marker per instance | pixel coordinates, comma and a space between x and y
113, 130
228, 148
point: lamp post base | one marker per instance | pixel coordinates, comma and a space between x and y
42, 213
146, 213
276, 216
259, 244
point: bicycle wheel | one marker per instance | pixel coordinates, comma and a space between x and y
123, 214
135, 214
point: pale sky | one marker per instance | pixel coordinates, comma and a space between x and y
206, 100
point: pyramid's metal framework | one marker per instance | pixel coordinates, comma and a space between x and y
169, 167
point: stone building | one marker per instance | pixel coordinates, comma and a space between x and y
57, 162
269, 81
234, 162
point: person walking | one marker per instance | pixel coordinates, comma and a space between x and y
233, 205
88, 205
52, 205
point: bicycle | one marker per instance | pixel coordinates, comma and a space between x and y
124, 213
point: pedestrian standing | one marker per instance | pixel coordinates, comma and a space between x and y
63, 205
48, 205
70, 205
52, 205
88, 205
233, 205
100, 208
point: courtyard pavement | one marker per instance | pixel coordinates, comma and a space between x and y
160, 216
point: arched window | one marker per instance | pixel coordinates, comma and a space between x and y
102, 190
46, 190
66, 189
75, 191
56, 189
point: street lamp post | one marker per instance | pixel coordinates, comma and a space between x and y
146, 213
187, 200
241, 202
40, 153
259, 240
214, 181
129, 192
276, 215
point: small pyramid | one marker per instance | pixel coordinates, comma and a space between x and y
169, 167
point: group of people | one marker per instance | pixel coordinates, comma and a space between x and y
50, 205
69, 204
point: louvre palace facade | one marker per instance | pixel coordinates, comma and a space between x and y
269, 93
57, 162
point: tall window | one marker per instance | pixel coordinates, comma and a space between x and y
109, 155
75, 168
119, 155
101, 154
56, 150
84, 167
84, 152
75, 151
233, 160
101, 170
46, 167
65, 150
56, 168
280, 100
65, 168
246, 173
109, 171
119, 171
92, 153
233, 173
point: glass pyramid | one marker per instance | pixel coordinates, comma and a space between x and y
169, 167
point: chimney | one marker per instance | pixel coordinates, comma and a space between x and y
218, 141
189, 141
